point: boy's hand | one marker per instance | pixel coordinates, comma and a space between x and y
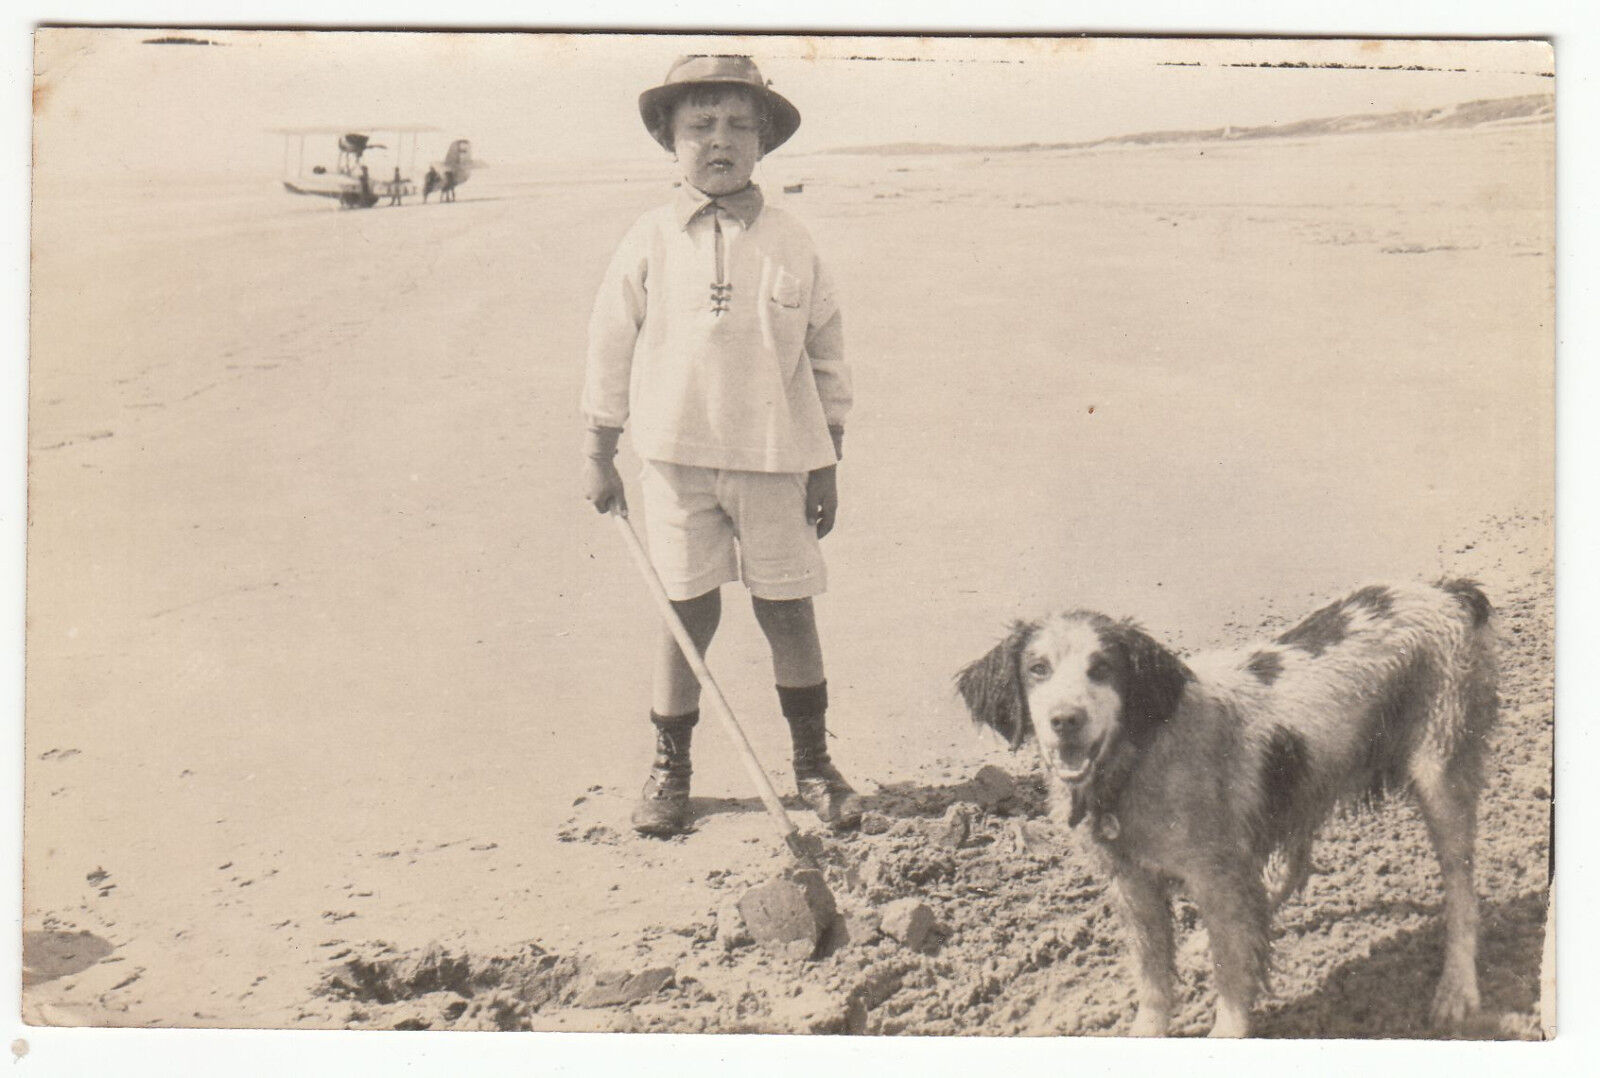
822, 499
602, 485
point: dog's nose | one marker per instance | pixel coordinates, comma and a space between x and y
1069, 723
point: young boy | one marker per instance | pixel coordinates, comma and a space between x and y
716, 332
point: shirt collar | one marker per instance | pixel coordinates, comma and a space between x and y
745, 204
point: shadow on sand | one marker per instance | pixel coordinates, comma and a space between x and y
1387, 992
906, 800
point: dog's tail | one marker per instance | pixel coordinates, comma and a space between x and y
1470, 595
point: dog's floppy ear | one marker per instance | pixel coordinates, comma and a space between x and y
992, 687
1154, 679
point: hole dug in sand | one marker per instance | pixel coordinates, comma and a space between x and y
443, 988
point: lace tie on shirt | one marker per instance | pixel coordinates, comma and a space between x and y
721, 289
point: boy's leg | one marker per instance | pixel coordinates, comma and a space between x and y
675, 690
663, 807
692, 548
790, 626
781, 563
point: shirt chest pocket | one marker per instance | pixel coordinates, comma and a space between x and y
787, 290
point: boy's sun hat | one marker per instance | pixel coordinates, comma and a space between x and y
655, 104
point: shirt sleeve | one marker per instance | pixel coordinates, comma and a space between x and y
825, 347
619, 310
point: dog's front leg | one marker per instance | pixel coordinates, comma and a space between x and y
1144, 901
1233, 904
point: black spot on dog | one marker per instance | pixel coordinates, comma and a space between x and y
1150, 678
1470, 596
1375, 597
1319, 632
1266, 666
1284, 768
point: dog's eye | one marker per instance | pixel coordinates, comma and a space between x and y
1099, 670
1039, 669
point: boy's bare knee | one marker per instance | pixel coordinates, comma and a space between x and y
783, 614
700, 615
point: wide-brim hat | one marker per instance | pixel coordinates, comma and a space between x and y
656, 103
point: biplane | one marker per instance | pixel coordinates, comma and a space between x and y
359, 181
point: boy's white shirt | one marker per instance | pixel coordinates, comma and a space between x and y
752, 388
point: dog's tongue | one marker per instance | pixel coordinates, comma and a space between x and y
1074, 769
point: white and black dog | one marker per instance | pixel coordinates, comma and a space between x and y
1194, 772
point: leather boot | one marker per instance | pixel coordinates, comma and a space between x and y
663, 807
821, 786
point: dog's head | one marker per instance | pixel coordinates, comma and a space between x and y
1093, 691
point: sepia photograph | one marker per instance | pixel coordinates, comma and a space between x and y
924, 536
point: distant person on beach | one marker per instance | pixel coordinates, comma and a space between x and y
447, 187
363, 196
717, 332
430, 182
396, 188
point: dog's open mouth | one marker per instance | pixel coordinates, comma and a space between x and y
1074, 762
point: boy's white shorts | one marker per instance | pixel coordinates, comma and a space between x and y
708, 527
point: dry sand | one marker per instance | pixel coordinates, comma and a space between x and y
336, 690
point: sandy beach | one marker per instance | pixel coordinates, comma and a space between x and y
336, 690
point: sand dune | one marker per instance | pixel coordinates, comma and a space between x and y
1489, 112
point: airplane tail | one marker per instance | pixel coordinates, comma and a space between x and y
458, 160
460, 153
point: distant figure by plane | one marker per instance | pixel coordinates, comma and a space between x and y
349, 181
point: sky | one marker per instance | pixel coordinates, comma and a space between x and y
108, 102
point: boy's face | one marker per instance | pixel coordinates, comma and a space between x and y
717, 142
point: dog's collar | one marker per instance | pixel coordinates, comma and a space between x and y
1107, 828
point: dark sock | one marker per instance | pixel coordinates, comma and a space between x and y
803, 701
806, 710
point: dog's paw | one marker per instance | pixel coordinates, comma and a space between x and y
1232, 1021
1150, 1022
1455, 1001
